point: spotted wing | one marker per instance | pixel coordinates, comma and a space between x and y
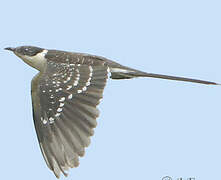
64, 104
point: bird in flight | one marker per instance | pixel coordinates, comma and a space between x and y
65, 94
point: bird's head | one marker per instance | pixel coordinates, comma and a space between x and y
34, 56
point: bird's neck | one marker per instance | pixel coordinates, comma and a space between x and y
38, 61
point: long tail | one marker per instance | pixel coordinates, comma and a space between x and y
128, 73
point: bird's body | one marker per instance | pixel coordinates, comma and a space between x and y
65, 95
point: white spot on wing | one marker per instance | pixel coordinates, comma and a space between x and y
75, 83
51, 120
90, 76
44, 121
77, 78
59, 109
79, 91
108, 70
70, 96
84, 88
57, 114
62, 99
69, 87
61, 104
68, 79
90, 68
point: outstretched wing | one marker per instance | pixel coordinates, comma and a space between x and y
64, 100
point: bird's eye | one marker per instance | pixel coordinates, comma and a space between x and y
25, 51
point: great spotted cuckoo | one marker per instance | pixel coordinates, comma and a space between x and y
65, 95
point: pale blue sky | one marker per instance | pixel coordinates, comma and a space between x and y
148, 128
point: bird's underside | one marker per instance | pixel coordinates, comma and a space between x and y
65, 95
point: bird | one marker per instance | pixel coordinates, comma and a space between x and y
65, 94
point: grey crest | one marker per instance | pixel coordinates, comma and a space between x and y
28, 50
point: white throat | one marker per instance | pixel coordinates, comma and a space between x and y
38, 61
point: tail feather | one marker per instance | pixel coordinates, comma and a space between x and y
128, 73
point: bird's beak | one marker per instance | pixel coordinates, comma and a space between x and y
10, 49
